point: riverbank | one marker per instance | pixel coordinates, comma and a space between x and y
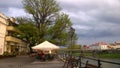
108, 56
104, 55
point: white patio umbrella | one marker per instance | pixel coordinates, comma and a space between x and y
45, 46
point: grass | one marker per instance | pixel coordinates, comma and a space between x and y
109, 56
104, 55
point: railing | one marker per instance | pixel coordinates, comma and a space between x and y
11, 28
99, 61
80, 58
13, 39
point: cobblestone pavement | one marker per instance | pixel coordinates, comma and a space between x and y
28, 62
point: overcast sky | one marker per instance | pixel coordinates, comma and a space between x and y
93, 20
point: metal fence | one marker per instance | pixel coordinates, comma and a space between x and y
91, 57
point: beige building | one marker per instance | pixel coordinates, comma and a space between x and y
100, 46
116, 45
8, 37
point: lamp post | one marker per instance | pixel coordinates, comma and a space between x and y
72, 30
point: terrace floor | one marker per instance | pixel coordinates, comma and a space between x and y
28, 62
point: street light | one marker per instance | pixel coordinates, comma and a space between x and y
72, 31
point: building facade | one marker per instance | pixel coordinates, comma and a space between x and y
116, 45
3, 26
100, 46
9, 42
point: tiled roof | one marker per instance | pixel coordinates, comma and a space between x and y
99, 44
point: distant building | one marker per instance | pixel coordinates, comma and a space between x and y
8, 42
116, 45
86, 47
100, 46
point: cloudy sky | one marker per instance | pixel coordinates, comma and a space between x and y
93, 20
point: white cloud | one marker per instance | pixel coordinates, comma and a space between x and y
15, 12
80, 27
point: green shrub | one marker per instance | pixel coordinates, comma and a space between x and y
6, 53
14, 53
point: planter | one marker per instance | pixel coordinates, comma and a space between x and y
1, 56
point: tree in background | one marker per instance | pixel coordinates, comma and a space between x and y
43, 13
46, 23
28, 31
59, 31
74, 46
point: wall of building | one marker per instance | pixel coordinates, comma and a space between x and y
8, 43
3, 25
98, 47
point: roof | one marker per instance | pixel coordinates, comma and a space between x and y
100, 44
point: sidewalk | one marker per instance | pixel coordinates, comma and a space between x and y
28, 62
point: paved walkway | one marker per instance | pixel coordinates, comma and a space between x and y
28, 62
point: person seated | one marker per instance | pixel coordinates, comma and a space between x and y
42, 56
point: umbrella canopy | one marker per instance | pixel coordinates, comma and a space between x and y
45, 46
